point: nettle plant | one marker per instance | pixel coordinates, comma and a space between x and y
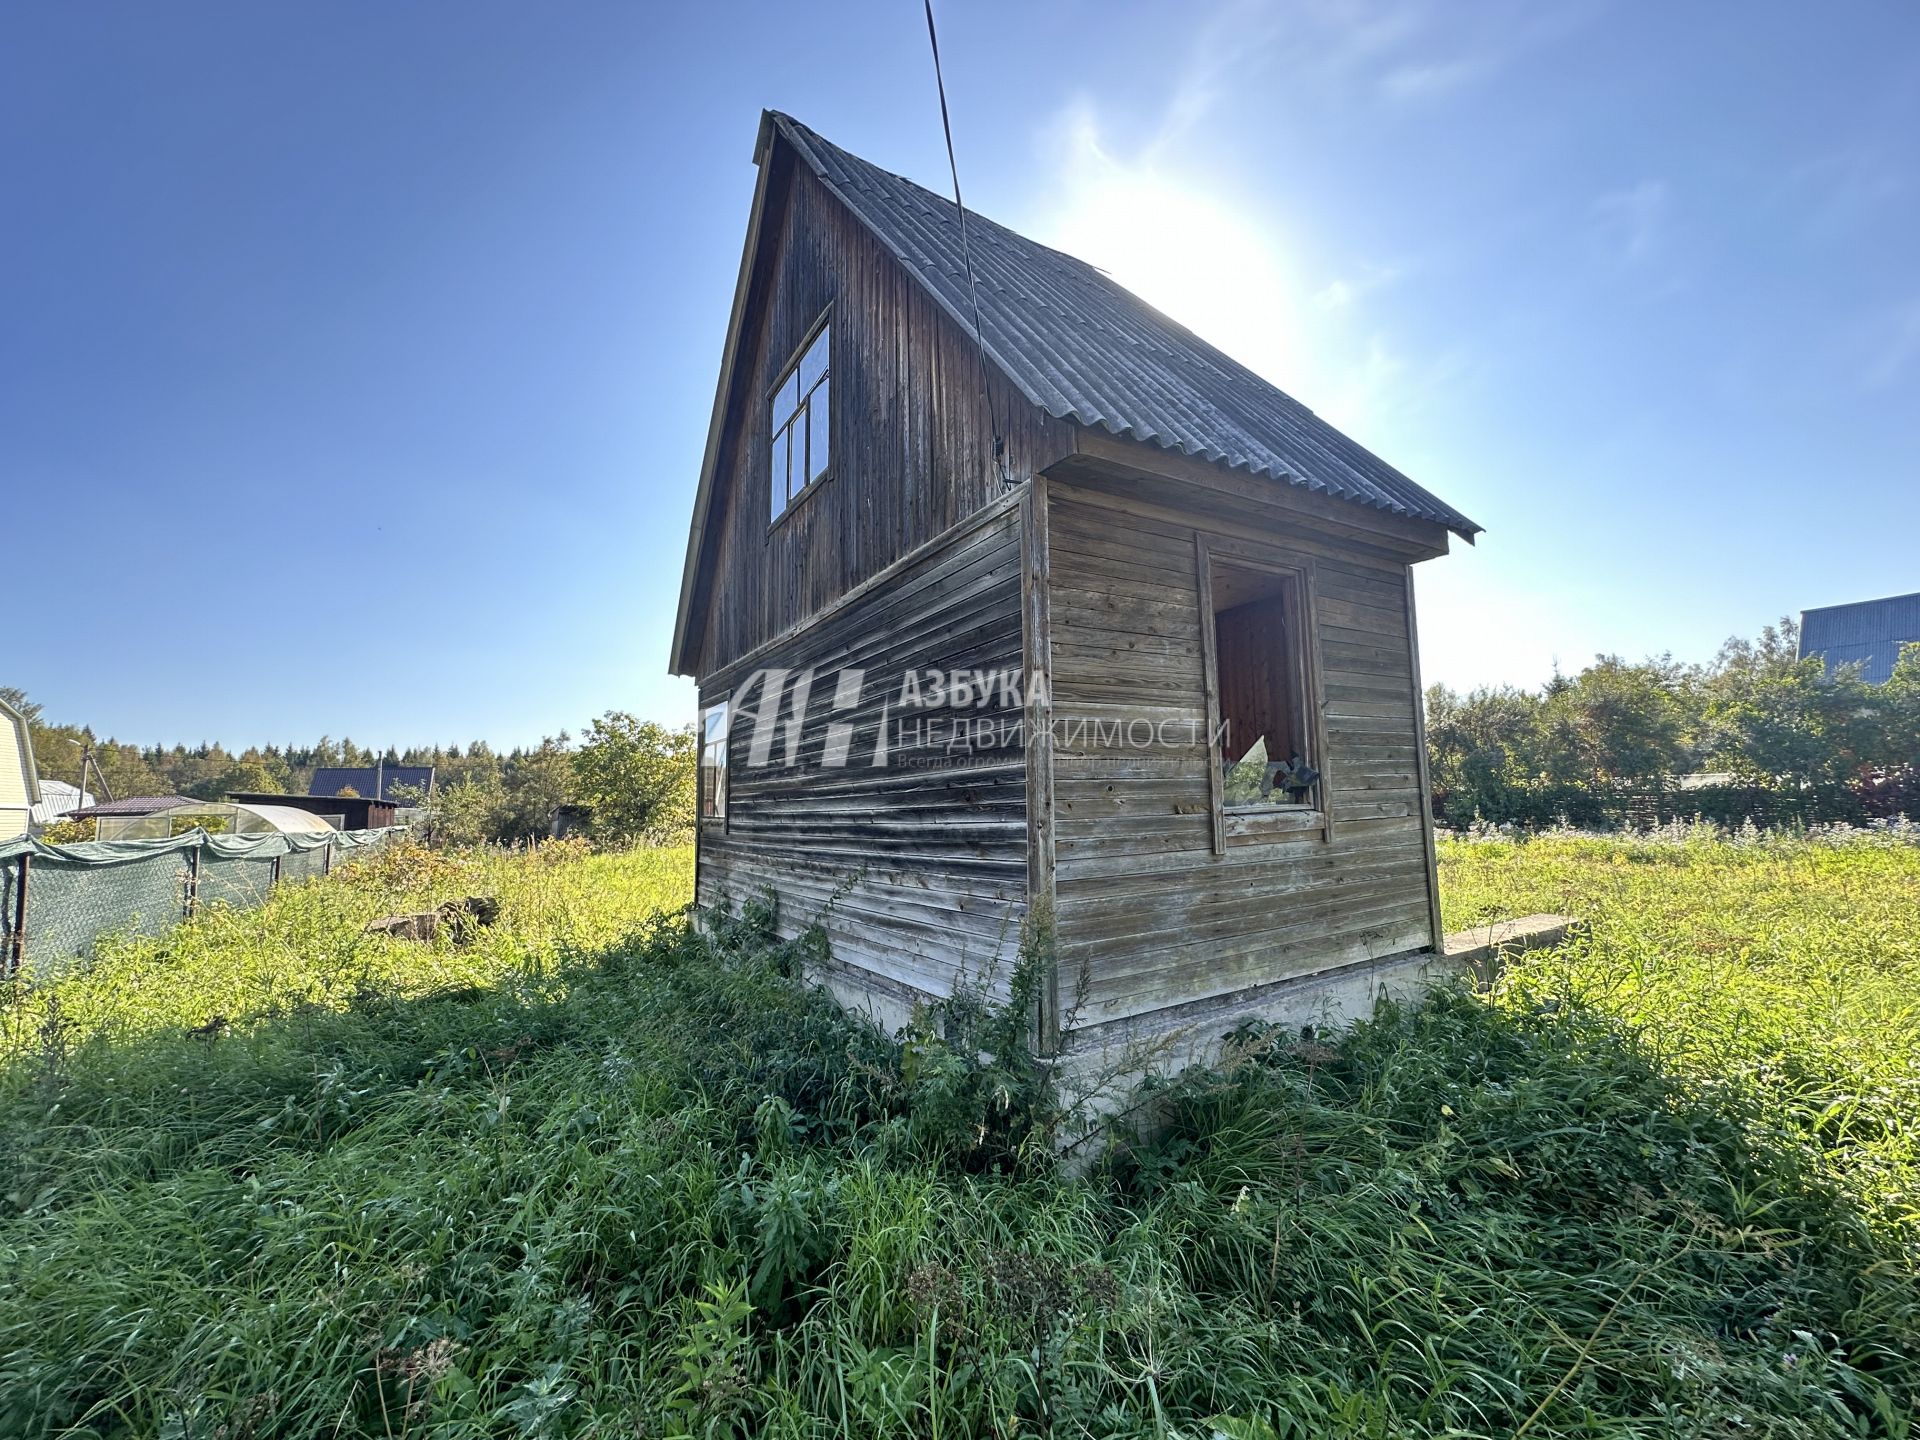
965, 1086
978, 1092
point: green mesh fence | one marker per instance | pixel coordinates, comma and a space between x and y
303, 865
76, 894
241, 881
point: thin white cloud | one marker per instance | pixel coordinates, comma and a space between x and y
1446, 50
1433, 79
1898, 348
1631, 224
1843, 190
1336, 294
1345, 290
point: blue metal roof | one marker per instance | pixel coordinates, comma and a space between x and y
364, 780
1085, 349
1868, 633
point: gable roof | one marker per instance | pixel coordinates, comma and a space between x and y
365, 779
1079, 346
1086, 349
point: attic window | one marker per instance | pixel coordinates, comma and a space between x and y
801, 423
1266, 748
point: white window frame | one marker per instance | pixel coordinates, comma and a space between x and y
713, 760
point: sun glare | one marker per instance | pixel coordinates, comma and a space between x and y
1183, 250
1221, 268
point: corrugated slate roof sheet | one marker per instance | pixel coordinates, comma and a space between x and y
133, 805
364, 779
1868, 633
1085, 349
57, 797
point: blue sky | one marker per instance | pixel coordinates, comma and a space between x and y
356, 359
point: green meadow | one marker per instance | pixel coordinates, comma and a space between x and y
592, 1175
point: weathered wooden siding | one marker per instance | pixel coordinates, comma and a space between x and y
917, 867
912, 441
1148, 915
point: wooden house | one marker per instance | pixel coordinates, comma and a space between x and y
1079, 629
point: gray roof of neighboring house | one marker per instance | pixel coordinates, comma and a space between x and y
133, 805
1868, 633
1085, 349
364, 780
57, 798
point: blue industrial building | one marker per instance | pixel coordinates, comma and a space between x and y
1868, 633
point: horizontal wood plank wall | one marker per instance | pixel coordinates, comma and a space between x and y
918, 867
912, 442
1147, 914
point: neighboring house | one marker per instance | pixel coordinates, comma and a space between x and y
19, 779
1095, 635
57, 800
1867, 633
373, 782
343, 812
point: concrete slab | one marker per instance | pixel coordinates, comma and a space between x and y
1485, 948
1100, 1067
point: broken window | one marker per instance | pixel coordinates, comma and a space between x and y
713, 763
1265, 735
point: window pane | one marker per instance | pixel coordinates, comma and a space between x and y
1243, 779
779, 473
713, 762
813, 364
788, 399
819, 430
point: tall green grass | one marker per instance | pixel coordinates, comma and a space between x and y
1780, 974
598, 1176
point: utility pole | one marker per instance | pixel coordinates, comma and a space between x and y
87, 763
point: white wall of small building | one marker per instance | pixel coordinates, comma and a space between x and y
17, 779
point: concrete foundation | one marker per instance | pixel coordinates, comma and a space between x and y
1099, 1068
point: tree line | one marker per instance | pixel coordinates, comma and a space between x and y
633, 778
1758, 733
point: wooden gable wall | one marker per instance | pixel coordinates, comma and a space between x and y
912, 444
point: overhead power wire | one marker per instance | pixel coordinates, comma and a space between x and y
966, 251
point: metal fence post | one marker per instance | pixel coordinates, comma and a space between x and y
193, 883
17, 943
276, 871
